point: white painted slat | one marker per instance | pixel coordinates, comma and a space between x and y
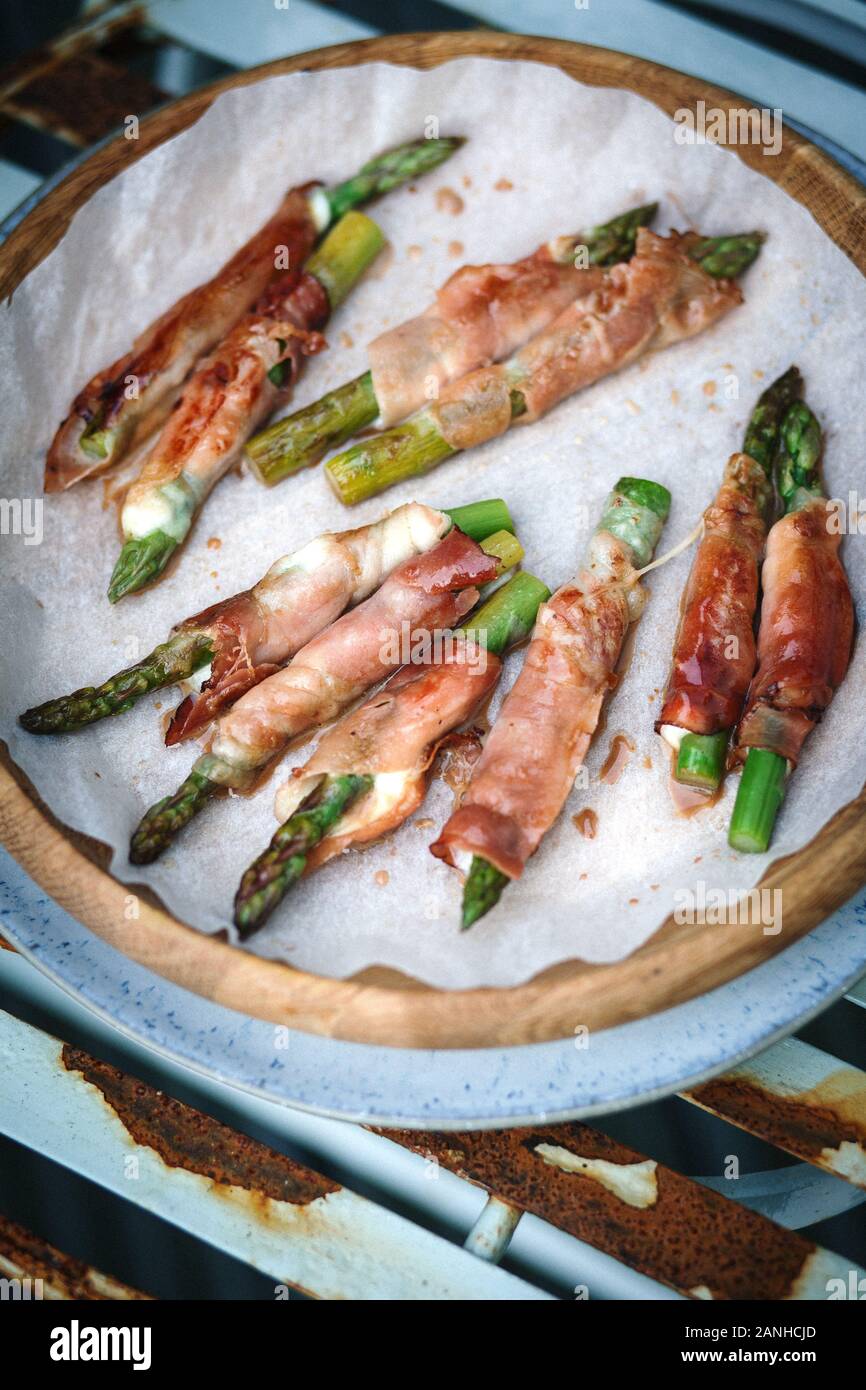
15, 185
340, 1246
254, 31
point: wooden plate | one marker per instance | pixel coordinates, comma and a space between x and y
385, 1007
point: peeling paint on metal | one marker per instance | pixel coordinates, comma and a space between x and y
691, 1238
633, 1183
25, 1256
802, 1101
186, 1138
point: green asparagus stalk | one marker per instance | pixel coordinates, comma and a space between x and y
380, 175
167, 818
762, 785
504, 619
701, 758
337, 263
175, 660
635, 513
269, 878
188, 649
303, 438
414, 447
389, 170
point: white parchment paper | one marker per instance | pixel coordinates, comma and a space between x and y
545, 156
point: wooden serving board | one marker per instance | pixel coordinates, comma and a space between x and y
678, 962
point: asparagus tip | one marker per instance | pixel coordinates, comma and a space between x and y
141, 560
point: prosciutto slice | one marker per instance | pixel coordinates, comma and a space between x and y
428, 592
480, 315
165, 353
805, 637
714, 650
255, 632
393, 737
661, 296
548, 718
227, 396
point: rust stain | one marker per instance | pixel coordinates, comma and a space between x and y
807, 1124
186, 1138
690, 1238
24, 1255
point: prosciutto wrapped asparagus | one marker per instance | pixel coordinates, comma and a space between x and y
714, 650
230, 392
107, 416
673, 288
237, 643
804, 640
547, 720
481, 314
428, 592
371, 770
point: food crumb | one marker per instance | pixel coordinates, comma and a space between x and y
586, 822
709, 388
214, 543
654, 887
346, 340
758, 374
414, 253
633, 407
583, 876
697, 859
449, 201
647, 762
633, 902
425, 823
466, 181
214, 574
455, 248
381, 877
503, 185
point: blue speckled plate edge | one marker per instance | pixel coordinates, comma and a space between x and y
458, 1089
622, 1067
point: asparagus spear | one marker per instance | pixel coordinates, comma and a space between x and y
160, 509
638, 526
103, 421
304, 437
166, 818
701, 757
503, 620
417, 445
269, 878
189, 649
762, 785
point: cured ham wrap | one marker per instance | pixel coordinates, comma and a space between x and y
238, 642
228, 394
370, 772
804, 640
714, 650
133, 396
547, 720
481, 314
428, 593
670, 290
